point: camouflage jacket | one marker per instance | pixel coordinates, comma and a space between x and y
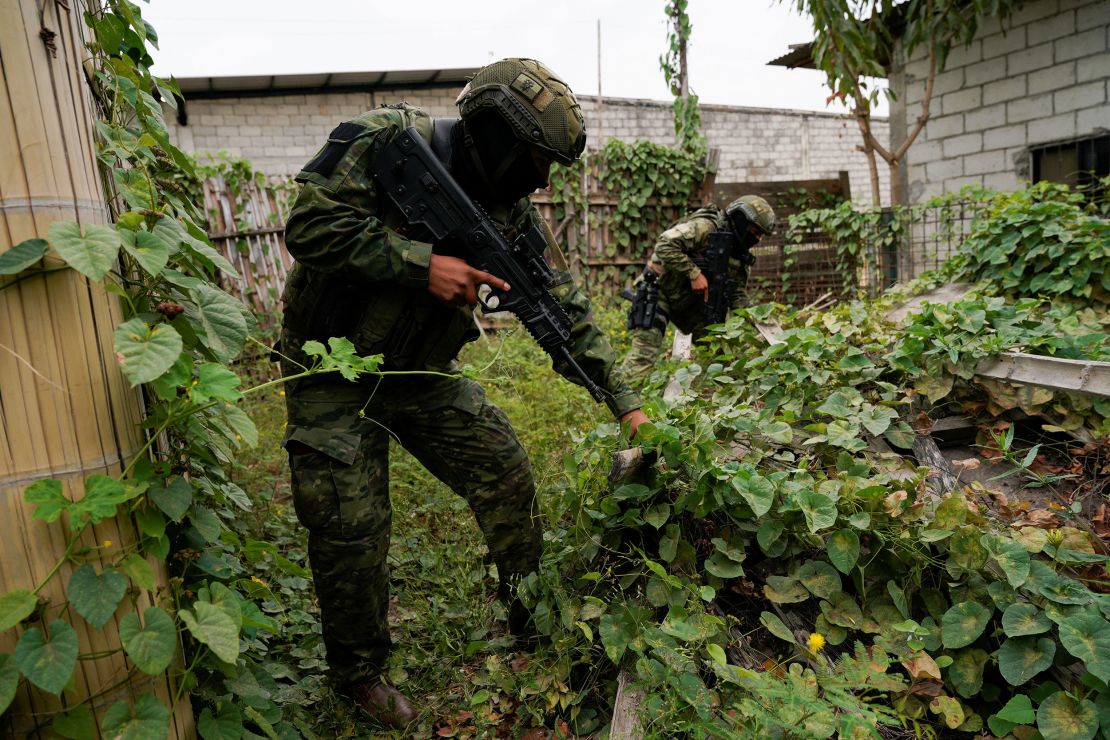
675, 250
362, 272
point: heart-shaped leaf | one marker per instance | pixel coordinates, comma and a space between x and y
48, 662
963, 623
1021, 658
150, 645
92, 253
149, 719
96, 596
21, 256
843, 549
146, 352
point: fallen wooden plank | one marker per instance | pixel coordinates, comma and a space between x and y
1080, 376
626, 723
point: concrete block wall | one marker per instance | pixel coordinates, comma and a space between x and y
1042, 78
279, 134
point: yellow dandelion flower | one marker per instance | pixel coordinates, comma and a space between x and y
816, 642
107, 543
281, 393
259, 581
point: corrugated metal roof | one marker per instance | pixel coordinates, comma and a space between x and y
259, 85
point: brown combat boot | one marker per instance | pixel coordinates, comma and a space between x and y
384, 703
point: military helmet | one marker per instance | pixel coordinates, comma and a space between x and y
756, 210
540, 108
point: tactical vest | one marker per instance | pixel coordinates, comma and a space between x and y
406, 324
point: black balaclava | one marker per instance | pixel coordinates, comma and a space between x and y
491, 163
742, 231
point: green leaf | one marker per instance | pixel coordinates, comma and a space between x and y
1011, 557
96, 597
227, 725
215, 382
819, 510
1087, 637
206, 523
174, 500
212, 626
841, 609
21, 256
632, 492
784, 590
1024, 619
149, 719
843, 549
1062, 717
844, 434
146, 352
48, 499
92, 253
819, 578
966, 672
219, 318
720, 565
151, 645
877, 419
1021, 658
776, 627
103, 495
148, 250
180, 373
768, 534
963, 623
779, 431
78, 724
717, 653
15, 606
1018, 711
136, 567
658, 515
48, 663
757, 491
616, 635
9, 680
965, 549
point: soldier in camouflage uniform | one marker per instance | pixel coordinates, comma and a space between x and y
363, 273
683, 289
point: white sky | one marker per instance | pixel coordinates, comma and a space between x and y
732, 41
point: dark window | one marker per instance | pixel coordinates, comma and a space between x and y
1079, 164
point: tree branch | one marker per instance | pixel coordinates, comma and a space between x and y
924, 117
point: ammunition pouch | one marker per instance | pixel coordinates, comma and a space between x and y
644, 313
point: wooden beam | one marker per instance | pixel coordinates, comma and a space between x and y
1080, 376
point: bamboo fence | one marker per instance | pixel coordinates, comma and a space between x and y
65, 409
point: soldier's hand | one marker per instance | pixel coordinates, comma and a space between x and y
700, 285
633, 419
456, 283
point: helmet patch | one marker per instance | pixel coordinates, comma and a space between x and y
527, 86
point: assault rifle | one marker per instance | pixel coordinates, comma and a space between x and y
715, 267
419, 184
644, 311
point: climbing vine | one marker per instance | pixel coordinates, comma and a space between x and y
180, 335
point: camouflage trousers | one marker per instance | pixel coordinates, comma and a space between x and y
340, 475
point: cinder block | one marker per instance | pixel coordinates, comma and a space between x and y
1002, 180
1089, 95
1030, 58
985, 118
1096, 67
1000, 44
1053, 27
1052, 79
942, 127
1026, 109
944, 169
966, 144
949, 81
955, 184
925, 151
966, 99
1034, 10
962, 56
1093, 15
988, 71
1083, 44
1006, 136
999, 91
1043, 130
987, 162
1093, 119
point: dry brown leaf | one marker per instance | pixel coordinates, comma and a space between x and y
922, 665
970, 463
